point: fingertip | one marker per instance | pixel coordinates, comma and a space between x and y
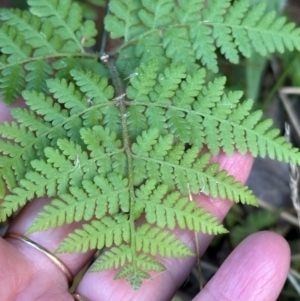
255, 270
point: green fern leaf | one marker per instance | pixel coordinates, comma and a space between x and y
39, 72
118, 145
12, 83
156, 13
222, 118
125, 22
27, 39
167, 84
63, 66
187, 11
143, 81
235, 15
14, 160
97, 235
64, 15
173, 210
216, 10
206, 51
38, 35
145, 50
12, 44
188, 34
155, 241
114, 258
49, 111
95, 87
84, 204
133, 275
147, 263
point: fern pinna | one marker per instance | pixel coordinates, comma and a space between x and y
112, 137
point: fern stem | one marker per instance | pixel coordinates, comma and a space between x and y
121, 101
52, 56
117, 82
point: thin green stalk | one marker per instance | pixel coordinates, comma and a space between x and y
280, 82
49, 57
104, 33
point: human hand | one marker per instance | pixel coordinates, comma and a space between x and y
256, 270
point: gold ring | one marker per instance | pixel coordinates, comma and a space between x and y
52, 257
77, 297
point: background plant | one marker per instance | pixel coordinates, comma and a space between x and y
111, 137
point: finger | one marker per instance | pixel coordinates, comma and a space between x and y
50, 239
23, 277
256, 270
163, 285
41, 267
5, 114
47, 278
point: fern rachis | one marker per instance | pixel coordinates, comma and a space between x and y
113, 138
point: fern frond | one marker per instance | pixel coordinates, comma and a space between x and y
97, 235
94, 86
148, 263
44, 106
52, 30
12, 83
66, 17
91, 172
68, 167
43, 124
167, 83
156, 13
13, 45
125, 21
183, 169
17, 161
188, 35
146, 49
170, 210
50, 178
122, 158
143, 81
39, 72
37, 34
212, 117
133, 275
96, 199
215, 10
187, 12
113, 258
149, 240
154, 241
64, 66
37, 186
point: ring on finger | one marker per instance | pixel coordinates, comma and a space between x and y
78, 297
65, 270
